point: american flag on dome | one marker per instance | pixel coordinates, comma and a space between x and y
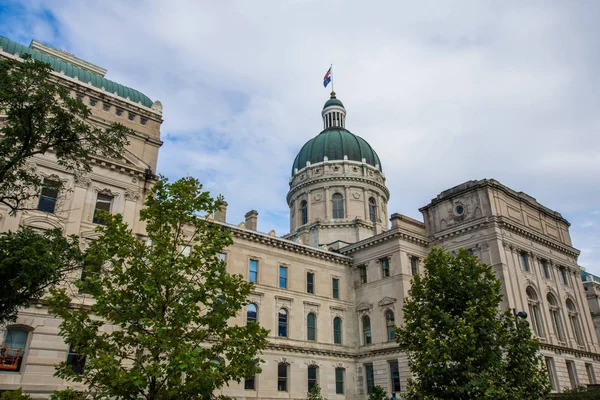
327, 77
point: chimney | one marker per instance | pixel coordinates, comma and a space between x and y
251, 219
221, 213
396, 220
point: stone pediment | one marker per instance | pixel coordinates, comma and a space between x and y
386, 301
364, 307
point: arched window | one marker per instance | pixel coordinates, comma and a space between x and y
338, 205
372, 210
337, 330
13, 349
574, 319
251, 314
283, 323
390, 325
366, 322
311, 327
304, 211
555, 317
534, 311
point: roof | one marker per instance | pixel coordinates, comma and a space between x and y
335, 144
72, 71
333, 102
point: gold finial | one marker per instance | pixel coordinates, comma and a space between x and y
332, 95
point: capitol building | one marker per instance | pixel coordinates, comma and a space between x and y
332, 289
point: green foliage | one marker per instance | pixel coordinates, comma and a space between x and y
15, 395
30, 262
68, 394
458, 343
40, 116
168, 313
315, 393
579, 393
378, 394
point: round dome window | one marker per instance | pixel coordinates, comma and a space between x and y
459, 210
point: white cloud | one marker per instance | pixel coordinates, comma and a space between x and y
445, 92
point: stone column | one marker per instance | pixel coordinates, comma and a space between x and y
130, 210
308, 206
366, 203
82, 184
346, 200
327, 203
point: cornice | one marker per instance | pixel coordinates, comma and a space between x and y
568, 350
398, 233
341, 178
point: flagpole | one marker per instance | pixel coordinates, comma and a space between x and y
331, 68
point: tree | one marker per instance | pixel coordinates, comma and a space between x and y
15, 395
378, 394
315, 393
459, 344
159, 326
30, 262
40, 116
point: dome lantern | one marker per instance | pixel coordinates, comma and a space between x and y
334, 113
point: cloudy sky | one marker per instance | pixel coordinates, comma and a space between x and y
444, 91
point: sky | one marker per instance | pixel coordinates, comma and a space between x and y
444, 91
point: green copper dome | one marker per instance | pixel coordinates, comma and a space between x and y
333, 102
72, 71
335, 143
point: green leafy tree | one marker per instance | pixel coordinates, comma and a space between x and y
315, 393
168, 308
15, 395
459, 344
39, 116
378, 394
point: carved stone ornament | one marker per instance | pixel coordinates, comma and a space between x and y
364, 308
131, 194
339, 365
386, 302
356, 195
317, 197
283, 360
312, 363
106, 191
82, 181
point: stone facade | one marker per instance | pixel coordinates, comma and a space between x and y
351, 271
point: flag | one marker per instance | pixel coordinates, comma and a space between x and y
327, 78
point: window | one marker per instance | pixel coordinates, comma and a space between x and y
143, 121
372, 210
335, 288
395, 375
282, 375
283, 322
366, 330
338, 205
48, 196
524, 261
385, 267
105, 107
304, 212
103, 203
283, 277
362, 272
251, 314
12, 355
79, 97
545, 269
337, 330
118, 112
414, 265
563, 276
311, 327
76, 361
589, 368
310, 282
253, 275
555, 316
92, 102
534, 312
390, 325
312, 377
339, 380
370, 378
131, 116
574, 319
572, 374
250, 383
551, 372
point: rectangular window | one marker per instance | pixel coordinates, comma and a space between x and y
310, 282
15, 342
589, 368
572, 374
48, 196
339, 381
551, 372
545, 269
564, 276
76, 361
335, 288
282, 371
524, 261
370, 378
253, 274
385, 267
312, 377
362, 271
414, 265
103, 203
283, 277
250, 383
395, 375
